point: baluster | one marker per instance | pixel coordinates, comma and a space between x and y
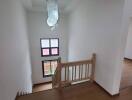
75, 73
72, 72
65, 74
79, 72
68, 74
86, 70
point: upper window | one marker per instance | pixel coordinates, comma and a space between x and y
49, 47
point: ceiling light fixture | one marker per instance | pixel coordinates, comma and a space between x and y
53, 13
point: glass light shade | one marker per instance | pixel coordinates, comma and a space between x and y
53, 14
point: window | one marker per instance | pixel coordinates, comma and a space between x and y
49, 67
49, 47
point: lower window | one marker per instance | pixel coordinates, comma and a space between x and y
49, 67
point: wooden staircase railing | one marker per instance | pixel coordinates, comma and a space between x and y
55, 77
67, 73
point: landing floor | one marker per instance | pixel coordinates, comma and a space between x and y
126, 80
84, 91
42, 87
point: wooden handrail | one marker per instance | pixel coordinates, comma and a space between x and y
76, 63
74, 72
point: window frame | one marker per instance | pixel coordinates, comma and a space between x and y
43, 70
50, 48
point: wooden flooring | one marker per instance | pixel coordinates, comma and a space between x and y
42, 87
127, 74
83, 91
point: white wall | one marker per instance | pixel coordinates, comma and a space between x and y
128, 51
95, 26
15, 68
38, 28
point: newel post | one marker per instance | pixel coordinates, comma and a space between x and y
59, 60
93, 67
59, 72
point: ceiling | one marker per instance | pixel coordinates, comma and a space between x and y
40, 5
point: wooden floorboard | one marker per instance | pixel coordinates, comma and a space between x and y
84, 91
126, 80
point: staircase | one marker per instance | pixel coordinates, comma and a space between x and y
66, 74
74, 72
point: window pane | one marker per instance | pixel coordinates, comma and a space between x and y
45, 52
53, 66
47, 70
54, 43
45, 43
54, 51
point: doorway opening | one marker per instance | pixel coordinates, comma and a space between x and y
126, 80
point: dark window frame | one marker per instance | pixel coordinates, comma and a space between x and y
43, 70
50, 48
